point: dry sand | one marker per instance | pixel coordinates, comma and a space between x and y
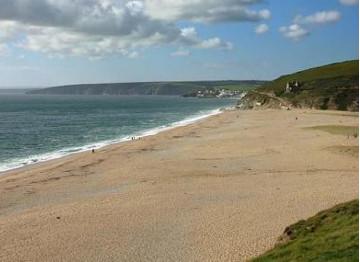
222, 189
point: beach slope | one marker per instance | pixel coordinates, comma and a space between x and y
222, 189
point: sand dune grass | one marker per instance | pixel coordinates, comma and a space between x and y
331, 235
338, 130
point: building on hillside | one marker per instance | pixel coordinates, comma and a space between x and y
292, 87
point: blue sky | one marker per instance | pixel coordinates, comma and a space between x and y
92, 41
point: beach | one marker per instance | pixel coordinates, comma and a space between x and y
221, 189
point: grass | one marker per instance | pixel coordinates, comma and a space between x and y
346, 69
331, 235
333, 86
349, 150
335, 113
338, 130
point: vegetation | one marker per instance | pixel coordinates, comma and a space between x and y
331, 235
332, 86
147, 88
254, 99
338, 130
241, 87
349, 150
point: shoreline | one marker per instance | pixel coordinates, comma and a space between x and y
224, 188
19, 165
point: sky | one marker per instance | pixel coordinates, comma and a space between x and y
58, 42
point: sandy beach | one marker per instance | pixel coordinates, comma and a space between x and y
222, 189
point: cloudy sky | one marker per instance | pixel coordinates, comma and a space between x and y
54, 42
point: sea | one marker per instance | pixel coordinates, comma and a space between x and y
36, 128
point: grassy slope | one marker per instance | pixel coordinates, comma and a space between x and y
331, 235
344, 69
333, 86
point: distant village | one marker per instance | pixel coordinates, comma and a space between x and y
215, 93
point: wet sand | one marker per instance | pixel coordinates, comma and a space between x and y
222, 189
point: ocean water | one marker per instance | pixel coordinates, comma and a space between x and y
38, 128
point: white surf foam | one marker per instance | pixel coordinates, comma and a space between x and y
21, 162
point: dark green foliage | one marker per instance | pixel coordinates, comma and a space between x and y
331, 235
325, 103
345, 97
279, 92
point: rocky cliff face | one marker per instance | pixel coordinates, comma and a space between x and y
256, 100
345, 101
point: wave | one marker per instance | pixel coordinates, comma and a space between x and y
21, 162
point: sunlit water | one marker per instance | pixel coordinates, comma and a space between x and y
38, 128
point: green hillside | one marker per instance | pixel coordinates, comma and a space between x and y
147, 88
331, 235
333, 86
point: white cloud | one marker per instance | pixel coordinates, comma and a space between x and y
92, 28
301, 24
135, 7
261, 29
215, 43
210, 43
349, 2
323, 17
294, 32
190, 36
132, 54
181, 52
205, 11
96, 28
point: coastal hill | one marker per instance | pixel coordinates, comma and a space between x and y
149, 88
331, 235
334, 86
